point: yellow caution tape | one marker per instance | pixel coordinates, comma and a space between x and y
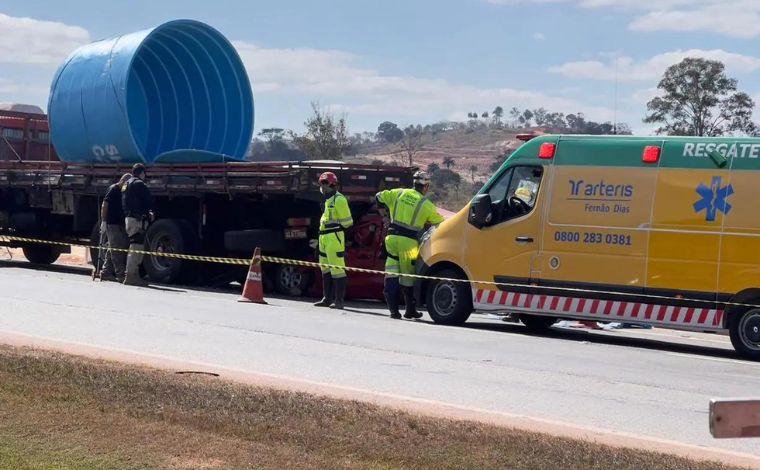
313, 264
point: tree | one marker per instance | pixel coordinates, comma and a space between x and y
484, 115
433, 167
448, 162
411, 143
699, 99
473, 170
498, 113
326, 137
526, 117
389, 132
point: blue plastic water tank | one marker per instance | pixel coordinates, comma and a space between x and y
143, 96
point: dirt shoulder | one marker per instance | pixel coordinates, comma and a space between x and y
64, 411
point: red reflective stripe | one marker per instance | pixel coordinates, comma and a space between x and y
676, 312
608, 307
503, 299
516, 300
581, 304
689, 314
648, 313
528, 300
663, 312
594, 306
555, 303
703, 316
491, 295
718, 318
636, 309
568, 303
541, 302
623, 307
478, 295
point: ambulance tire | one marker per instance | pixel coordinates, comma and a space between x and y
744, 331
449, 302
537, 323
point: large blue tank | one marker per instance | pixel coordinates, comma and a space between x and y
143, 96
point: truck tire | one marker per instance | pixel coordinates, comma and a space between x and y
744, 331
245, 241
291, 280
41, 254
537, 323
171, 236
449, 302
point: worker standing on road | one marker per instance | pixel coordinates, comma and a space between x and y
136, 203
112, 224
336, 218
409, 212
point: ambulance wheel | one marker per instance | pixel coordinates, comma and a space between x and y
744, 330
537, 323
449, 302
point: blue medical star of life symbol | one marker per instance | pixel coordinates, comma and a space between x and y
713, 199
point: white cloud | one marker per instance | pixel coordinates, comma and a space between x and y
736, 18
11, 87
629, 70
645, 95
333, 77
539, 36
31, 41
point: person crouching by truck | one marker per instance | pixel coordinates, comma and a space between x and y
137, 204
112, 224
336, 218
409, 211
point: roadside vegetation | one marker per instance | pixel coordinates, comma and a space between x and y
67, 412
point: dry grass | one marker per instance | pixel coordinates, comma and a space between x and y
61, 411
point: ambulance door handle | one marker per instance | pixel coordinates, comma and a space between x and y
524, 239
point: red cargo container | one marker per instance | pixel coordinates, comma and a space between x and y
24, 136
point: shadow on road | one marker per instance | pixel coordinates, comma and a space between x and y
53, 268
606, 338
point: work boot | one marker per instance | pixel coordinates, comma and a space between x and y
327, 290
411, 310
340, 292
391, 296
135, 280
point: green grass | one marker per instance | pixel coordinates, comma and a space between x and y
64, 412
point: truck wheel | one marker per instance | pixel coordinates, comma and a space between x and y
41, 254
169, 236
291, 280
449, 302
537, 323
744, 330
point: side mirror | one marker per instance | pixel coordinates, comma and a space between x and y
480, 210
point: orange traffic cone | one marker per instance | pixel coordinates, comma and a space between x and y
253, 290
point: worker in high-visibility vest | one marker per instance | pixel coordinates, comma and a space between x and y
409, 211
336, 218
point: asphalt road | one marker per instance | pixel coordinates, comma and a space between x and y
650, 382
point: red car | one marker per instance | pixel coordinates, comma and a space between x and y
363, 245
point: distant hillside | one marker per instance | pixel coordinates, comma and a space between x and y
467, 147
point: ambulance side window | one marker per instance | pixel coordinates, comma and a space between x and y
514, 194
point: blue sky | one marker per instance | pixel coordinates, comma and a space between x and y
413, 61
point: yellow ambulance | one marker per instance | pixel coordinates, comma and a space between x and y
656, 230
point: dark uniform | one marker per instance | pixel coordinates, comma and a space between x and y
137, 204
113, 218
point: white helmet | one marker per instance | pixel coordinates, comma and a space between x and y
421, 177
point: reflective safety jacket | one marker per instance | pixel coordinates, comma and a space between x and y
336, 216
409, 210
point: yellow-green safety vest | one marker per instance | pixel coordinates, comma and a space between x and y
409, 210
336, 216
